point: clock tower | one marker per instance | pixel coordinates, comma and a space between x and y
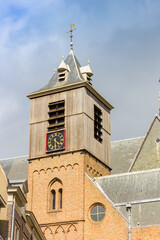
69, 136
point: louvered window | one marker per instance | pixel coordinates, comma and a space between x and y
56, 115
97, 123
61, 76
89, 79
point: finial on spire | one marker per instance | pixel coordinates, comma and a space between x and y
72, 28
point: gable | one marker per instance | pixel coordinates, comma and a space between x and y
113, 225
123, 153
148, 156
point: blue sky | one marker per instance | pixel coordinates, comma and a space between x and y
121, 38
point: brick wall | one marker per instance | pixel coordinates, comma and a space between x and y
146, 233
9, 218
112, 227
73, 221
19, 220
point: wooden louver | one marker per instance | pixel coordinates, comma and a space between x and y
97, 123
56, 115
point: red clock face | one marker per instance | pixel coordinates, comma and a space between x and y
55, 141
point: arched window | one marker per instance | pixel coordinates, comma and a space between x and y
60, 198
53, 199
55, 192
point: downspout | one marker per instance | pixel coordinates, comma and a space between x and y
12, 226
128, 208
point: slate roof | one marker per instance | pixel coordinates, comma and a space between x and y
15, 168
74, 75
129, 187
123, 153
140, 189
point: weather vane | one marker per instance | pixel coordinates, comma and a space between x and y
72, 28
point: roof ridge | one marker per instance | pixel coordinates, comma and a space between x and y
75, 62
3, 159
128, 173
126, 139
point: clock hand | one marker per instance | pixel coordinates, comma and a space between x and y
56, 142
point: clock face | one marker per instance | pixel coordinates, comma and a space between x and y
55, 141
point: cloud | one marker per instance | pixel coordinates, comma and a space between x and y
121, 39
8, 106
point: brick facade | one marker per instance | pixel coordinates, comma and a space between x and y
146, 233
73, 220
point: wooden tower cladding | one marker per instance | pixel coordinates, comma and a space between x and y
84, 117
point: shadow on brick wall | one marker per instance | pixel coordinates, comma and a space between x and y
4, 224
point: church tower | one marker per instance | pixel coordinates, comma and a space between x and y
69, 136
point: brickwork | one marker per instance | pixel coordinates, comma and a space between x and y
94, 167
146, 233
64, 231
112, 227
4, 229
22, 226
9, 218
19, 220
69, 169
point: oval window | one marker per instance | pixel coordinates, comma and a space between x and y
97, 213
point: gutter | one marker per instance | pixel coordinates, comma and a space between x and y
12, 226
128, 208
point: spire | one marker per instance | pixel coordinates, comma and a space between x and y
72, 28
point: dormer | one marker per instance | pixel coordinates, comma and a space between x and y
87, 73
63, 71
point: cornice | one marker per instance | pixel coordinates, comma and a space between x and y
82, 151
17, 192
70, 87
33, 223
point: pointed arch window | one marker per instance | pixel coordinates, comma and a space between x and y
55, 195
53, 199
60, 198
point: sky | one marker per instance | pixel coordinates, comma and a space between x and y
120, 38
